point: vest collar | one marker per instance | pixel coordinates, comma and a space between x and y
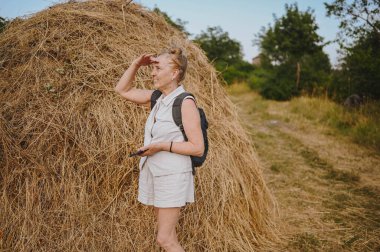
171, 96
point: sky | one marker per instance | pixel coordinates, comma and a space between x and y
242, 19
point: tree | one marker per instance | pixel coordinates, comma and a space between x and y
360, 70
219, 47
225, 53
292, 52
178, 23
3, 23
360, 65
357, 17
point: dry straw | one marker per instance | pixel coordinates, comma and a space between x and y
66, 183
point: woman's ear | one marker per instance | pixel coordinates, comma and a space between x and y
175, 74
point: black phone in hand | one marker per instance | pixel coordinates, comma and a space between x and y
137, 153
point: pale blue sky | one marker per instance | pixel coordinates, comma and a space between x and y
242, 19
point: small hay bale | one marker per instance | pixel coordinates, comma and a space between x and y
66, 181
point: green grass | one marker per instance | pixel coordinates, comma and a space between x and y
362, 125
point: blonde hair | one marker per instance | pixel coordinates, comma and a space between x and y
178, 61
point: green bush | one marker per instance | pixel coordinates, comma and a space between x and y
256, 78
278, 83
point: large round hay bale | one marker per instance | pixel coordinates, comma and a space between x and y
66, 181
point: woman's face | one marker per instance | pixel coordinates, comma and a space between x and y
162, 73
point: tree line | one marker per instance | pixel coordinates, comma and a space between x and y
292, 61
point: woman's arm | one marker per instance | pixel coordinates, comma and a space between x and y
192, 126
124, 85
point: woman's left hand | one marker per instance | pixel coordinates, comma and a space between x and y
151, 149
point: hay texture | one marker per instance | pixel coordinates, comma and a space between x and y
66, 182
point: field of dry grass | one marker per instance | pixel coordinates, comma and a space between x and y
326, 185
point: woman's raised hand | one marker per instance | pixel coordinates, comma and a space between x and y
145, 59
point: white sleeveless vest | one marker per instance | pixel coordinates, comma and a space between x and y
164, 130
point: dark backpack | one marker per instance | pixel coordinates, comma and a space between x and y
177, 117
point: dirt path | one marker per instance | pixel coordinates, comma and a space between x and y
327, 187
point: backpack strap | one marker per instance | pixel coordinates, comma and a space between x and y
176, 111
153, 99
177, 116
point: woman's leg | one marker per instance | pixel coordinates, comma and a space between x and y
167, 236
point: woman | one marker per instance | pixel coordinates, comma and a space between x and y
166, 180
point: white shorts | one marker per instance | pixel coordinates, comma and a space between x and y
172, 190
